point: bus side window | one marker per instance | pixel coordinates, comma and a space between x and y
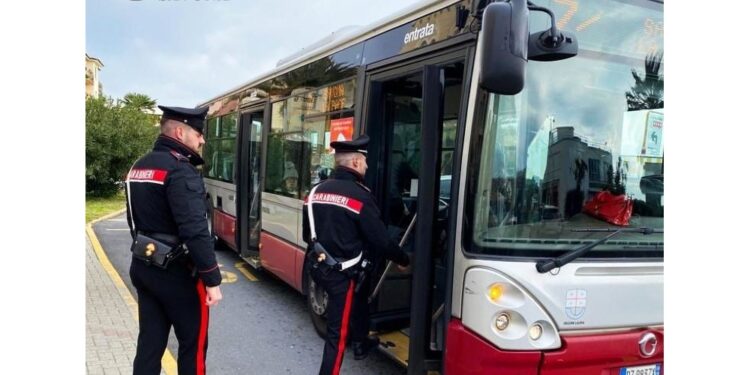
214, 164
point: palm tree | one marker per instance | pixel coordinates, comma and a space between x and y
648, 91
140, 101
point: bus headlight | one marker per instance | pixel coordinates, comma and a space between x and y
535, 332
501, 311
502, 321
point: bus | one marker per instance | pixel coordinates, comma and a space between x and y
523, 145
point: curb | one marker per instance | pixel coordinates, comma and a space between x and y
168, 362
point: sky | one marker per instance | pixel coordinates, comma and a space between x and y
183, 52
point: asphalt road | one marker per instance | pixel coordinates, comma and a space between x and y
260, 327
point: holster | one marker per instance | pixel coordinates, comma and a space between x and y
357, 272
313, 254
156, 252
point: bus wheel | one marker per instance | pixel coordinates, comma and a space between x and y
317, 300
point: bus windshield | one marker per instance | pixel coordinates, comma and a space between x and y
581, 146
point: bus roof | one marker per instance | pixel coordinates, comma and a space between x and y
339, 40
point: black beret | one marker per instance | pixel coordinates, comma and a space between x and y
193, 117
357, 145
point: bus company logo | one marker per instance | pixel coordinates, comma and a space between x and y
575, 303
419, 33
648, 344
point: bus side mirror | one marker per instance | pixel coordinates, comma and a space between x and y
504, 47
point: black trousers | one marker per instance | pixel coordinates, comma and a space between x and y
170, 298
347, 315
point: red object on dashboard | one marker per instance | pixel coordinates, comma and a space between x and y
614, 209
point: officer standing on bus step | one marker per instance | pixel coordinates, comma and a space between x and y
167, 195
347, 224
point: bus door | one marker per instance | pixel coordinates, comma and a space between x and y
412, 117
248, 185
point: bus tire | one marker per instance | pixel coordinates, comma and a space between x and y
317, 300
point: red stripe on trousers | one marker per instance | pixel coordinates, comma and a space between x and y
200, 364
344, 328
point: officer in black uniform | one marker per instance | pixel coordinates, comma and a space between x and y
348, 230
167, 202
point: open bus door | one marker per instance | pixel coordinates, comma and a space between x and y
249, 183
412, 119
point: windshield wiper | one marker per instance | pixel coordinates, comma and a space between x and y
543, 266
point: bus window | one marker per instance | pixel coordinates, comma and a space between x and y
284, 150
210, 153
283, 171
402, 115
329, 111
548, 151
220, 149
318, 136
298, 144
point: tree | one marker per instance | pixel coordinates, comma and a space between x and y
574, 197
616, 180
579, 172
115, 137
648, 91
140, 101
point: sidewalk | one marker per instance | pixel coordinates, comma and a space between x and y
111, 328
111, 311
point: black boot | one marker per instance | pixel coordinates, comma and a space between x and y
362, 349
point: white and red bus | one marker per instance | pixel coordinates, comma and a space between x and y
497, 131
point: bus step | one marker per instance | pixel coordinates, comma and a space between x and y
395, 345
253, 261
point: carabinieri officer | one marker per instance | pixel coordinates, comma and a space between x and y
346, 232
167, 202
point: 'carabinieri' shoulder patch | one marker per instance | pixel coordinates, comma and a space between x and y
154, 176
343, 201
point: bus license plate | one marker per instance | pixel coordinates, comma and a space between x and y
641, 370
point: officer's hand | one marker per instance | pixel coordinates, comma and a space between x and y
213, 295
405, 269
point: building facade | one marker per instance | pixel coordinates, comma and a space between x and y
93, 84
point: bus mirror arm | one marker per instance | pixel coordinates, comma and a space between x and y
547, 265
552, 37
551, 44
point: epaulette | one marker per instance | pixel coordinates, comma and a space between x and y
179, 156
363, 186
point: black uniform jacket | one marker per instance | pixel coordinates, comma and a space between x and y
347, 220
168, 197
